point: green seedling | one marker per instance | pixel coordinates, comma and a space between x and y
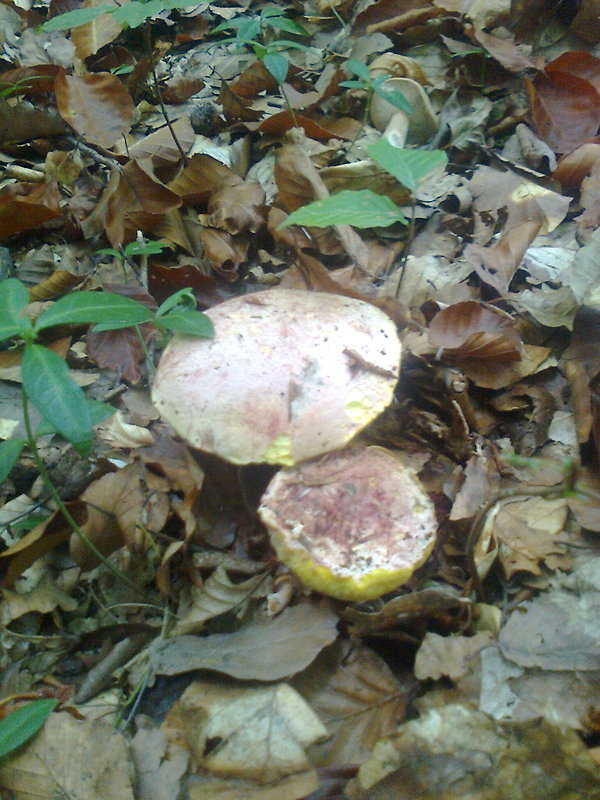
258, 32
366, 209
128, 15
364, 80
46, 381
18, 727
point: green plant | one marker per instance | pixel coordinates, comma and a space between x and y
374, 85
366, 209
19, 726
256, 32
46, 381
128, 15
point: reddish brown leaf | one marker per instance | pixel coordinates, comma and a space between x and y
181, 89
30, 81
165, 281
27, 206
573, 167
473, 330
238, 208
278, 124
21, 123
234, 108
201, 177
137, 202
97, 106
89, 38
224, 251
255, 79
565, 100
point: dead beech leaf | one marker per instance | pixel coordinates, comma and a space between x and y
159, 764
224, 251
65, 760
160, 145
201, 177
527, 532
218, 595
59, 283
120, 350
97, 106
30, 81
565, 100
256, 734
238, 209
44, 598
92, 36
266, 649
573, 167
475, 331
448, 656
27, 206
359, 700
255, 79
135, 200
22, 123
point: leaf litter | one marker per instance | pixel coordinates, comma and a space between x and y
143, 163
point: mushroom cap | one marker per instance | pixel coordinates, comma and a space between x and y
420, 125
353, 525
289, 375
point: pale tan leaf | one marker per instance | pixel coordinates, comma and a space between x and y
65, 760
256, 734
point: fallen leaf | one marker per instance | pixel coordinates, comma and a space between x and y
256, 734
266, 649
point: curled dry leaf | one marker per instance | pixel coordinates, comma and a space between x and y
475, 331
238, 209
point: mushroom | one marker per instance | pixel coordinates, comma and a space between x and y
289, 375
353, 525
399, 127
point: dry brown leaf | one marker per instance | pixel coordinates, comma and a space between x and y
266, 649
448, 656
159, 764
238, 209
358, 699
256, 734
471, 330
22, 123
44, 598
201, 177
97, 106
92, 36
296, 787
224, 251
65, 760
160, 145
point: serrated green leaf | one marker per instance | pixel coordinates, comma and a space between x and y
363, 209
358, 68
98, 411
56, 396
277, 65
18, 727
90, 307
393, 96
73, 19
10, 450
194, 323
407, 166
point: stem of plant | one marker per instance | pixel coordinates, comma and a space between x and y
288, 106
409, 240
148, 357
159, 95
48, 482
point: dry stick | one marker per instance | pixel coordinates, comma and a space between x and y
159, 95
61, 505
566, 487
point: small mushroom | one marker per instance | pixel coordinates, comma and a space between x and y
352, 525
398, 126
289, 375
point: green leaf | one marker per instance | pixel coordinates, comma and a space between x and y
280, 23
57, 397
183, 298
194, 323
73, 19
149, 248
133, 14
407, 166
358, 68
393, 96
18, 727
13, 299
277, 65
353, 84
363, 209
89, 307
98, 411
10, 450
248, 28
